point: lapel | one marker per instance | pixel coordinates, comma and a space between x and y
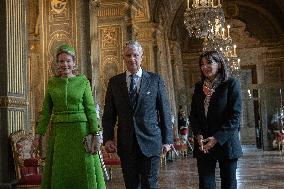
143, 87
201, 100
123, 85
214, 98
211, 104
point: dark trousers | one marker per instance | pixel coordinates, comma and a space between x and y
206, 170
138, 170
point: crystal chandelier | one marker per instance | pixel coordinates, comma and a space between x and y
222, 42
233, 64
219, 42
204, 19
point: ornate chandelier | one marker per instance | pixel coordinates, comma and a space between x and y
233, 63
222, 42
204, 19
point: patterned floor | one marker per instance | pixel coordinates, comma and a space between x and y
257, 169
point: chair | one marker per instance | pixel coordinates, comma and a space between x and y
28, 164
190, 143
279, 139
180, 147
163, 159
183, 134
168, 156
111, 161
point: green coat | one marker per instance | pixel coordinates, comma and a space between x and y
69, 106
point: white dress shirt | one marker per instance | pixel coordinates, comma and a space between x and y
138, 82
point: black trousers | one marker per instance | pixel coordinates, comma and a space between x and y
138, 170
206, 170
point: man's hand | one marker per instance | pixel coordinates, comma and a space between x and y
166, 148
110, 146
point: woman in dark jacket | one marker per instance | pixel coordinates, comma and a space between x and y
215, 120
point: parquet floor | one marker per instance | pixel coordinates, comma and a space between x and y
257, 169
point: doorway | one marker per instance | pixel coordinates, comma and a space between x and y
251, 130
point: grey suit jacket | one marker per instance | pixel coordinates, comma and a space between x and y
149, 121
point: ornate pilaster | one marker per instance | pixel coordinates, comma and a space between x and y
164, 63
178, 73
93, 9
59, 20
156, 47
13, 82
191, 73
145, 32
191, 61
114, 21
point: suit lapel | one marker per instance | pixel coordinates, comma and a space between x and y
123, 85
143, 87
201, 100
214, 97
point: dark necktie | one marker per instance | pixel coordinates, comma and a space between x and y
133, 90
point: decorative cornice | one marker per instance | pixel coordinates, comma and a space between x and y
8, 101
112, 10
191, 56
95, 3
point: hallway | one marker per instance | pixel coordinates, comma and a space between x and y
257, 169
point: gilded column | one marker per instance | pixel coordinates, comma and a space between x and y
13, 82
145, 32
178, 73
163, 63
191, 72
95, 56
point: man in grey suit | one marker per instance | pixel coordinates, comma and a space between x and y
137, 102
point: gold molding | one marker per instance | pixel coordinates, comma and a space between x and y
145, 31
16, 120
8, 101
110, 37
16, 59
58, 6
56, 38
142, 12
60, 27
112, 10
145, 35
58, 10
110, 66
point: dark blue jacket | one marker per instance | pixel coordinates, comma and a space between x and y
149, 121
223, 119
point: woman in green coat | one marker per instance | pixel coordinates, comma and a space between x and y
70, 108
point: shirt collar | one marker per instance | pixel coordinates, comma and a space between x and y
139, 73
